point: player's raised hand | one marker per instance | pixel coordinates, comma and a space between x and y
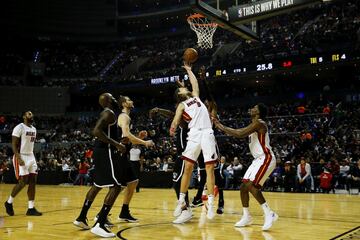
187, 66
149, 143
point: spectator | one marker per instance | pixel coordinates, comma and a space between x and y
325, 181
82, 177
289, 177
344, 173
354, 177
304, 177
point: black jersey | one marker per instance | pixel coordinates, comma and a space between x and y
111, 130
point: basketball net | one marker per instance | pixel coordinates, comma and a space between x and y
204, 30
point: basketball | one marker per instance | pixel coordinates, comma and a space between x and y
190, 55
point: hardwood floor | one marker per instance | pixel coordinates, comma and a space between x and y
301, 216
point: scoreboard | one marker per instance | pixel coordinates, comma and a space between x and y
266, 66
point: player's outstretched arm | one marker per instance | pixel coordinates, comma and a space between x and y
162, 112
106, 118
193, 80
177, 118
124, 124
238, 133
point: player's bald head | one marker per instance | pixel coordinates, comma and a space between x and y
105, 100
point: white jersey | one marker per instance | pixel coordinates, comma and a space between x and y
135, 154
260, 144
27, 137
196, 114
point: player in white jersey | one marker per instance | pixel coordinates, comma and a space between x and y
263, 164
200, 138
23, 139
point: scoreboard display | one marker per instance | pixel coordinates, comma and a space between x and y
268, 66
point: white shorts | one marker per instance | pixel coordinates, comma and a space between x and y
260, 169
200, 140
30, 166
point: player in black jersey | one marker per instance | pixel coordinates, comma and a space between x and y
107, 173
106, 153
128, 176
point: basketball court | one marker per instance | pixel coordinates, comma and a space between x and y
301, 216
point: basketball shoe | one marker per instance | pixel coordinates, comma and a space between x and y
9, 208
81, 223
185, 216
244, 221
220, 210
102, 231
269, 220
127, 217
33, 212
179, 208
197, 203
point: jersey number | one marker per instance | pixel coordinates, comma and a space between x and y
32, 139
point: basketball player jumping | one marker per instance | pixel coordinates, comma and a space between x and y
23, 139
200, 138
263, 164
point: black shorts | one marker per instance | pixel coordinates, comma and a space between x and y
178, 169
136, 168
112, 169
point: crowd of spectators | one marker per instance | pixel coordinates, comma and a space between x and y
334, 25
325, 136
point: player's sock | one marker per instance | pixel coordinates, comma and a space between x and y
10, 200
31, 204
266, 208
182, 197
211, 199
246, 211
103, 214
125, 207
85, 209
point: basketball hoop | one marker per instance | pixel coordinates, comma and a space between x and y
203, 28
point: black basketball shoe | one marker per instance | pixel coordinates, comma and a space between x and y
197, 203
9, 208
33, 212
126, 216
